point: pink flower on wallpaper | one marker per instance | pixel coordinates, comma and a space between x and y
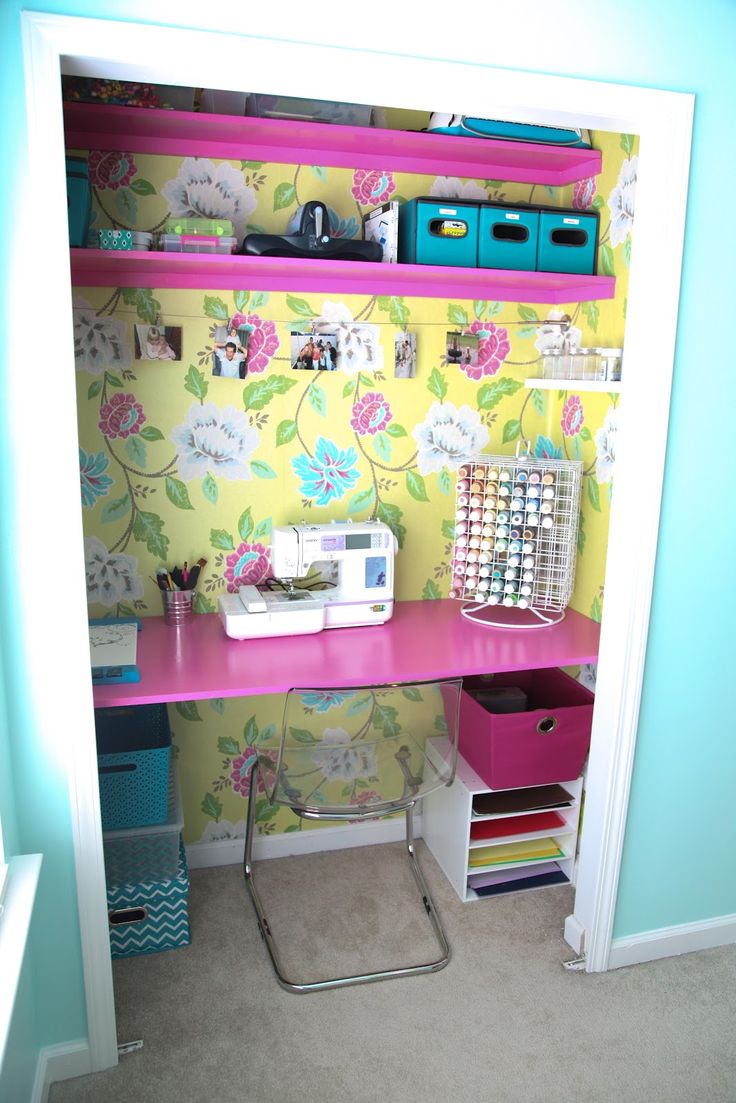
493, 348
582, 193
240, 770
262, 343
111, 170
121, 416
248, 564
370, 414
371, 186
572, 416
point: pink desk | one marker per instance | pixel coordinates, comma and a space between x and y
424, 640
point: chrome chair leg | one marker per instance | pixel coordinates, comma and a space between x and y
350, 979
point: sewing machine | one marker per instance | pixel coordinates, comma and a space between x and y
355, 561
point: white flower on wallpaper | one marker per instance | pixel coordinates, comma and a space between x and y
216, 831
451, 187
605, 444
99, 343
111, 576
551, 338
205, 190
587, 675
332, 316
215, 441
621, 202
359, 348
337, 757
448, 436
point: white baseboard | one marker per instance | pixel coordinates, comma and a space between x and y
230, 851
60, 1062
670, 941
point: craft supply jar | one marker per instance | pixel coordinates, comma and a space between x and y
177, 606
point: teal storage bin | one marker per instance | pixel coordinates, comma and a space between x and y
438, 231
147, 916
133, 756
507, 237
568, 241
79, 201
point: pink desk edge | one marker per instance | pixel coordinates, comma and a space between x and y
424, 640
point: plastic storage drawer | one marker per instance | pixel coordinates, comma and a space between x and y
438, 231
148, 853
568, 241
133, 755
197, 243
507, 237
148, 916
547, 743
79, 200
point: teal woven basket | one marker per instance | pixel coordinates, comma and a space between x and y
133, 756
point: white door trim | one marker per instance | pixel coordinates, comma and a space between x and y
192, 57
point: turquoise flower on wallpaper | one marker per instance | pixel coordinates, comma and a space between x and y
321, 702
95, 482
342, 227
544, 449
215, 441
328, 474
249, 563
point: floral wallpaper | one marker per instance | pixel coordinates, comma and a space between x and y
178, 464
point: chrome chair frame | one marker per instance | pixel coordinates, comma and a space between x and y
264, 925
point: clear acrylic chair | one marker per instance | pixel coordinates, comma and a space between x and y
357, 754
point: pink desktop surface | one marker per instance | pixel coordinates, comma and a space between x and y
423, 640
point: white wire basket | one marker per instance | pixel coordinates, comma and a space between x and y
516, 531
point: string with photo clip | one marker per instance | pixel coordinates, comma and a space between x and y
515, 542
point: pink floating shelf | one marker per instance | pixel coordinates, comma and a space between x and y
211, 271
285, 141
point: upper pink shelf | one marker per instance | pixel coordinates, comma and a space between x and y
232, 137
210, 271
424, 640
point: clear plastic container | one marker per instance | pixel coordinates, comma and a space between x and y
610, 360
214, 101
192, 243
200, 227
322, 111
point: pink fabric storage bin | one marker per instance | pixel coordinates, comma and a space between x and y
546, 743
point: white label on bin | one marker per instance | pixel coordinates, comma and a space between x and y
571, 221
447, 210
510, 214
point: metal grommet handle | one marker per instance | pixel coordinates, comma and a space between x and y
547, 725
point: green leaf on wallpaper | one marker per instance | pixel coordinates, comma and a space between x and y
284, 195
511, 430
260, 298
148, 530
254, 228
252, 165
245, 524
126, 206
147, 308
527, 313
209, 489
585, 433
215, 308
490, 394
266, 811
539, 400
391, 515
364, 499
317, 399
195, 383
437, 384
479, 308
188, 709
259, 394
113, 380
607, 260
135, 450
591, 312
94, 388
448, 530
398, 311
300, 307
150, 433
444, 484
431, 590
577, 448
211, 807
125, 610
416, 486
240, 298
596, 609
581, 533
365, 379
627, 143
350, 387
250, 732
319, 171
525, 331
262, 529
262, 470
382, 445
302, 735
626, 251
395, 430
142, 187
493, 309
177, 493
116, 509
221, 540
458, 315
594, 495
228, 746
217, 704
202, 604
598, 203
285, 432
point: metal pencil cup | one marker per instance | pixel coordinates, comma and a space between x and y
177, 606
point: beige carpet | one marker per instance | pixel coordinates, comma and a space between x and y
503, 1023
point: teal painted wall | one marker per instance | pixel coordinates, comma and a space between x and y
678, 840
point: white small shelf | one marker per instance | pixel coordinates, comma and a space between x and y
600, 386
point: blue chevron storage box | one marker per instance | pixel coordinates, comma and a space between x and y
150, 916
133, 756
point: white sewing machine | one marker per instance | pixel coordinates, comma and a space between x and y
355, 559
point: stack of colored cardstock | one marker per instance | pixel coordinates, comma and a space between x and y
529, 850
515, 825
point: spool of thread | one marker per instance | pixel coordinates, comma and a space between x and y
514, 560
471, 570
487, 530
533, 492
502, 531
535, 477
528, 576
461, 541
490, 501
483, 584
474, 542
496, 586
486, 543
476, 487
477, 514
501, 545
461, 528
517, 503
511, 573
525, 589
475, 501
514, 546
493, 599
504, 491
489, 515
533, 519
460, 555
528, 562
548, 492
493, 475
523, 603
461, 515
528, 547
484, 570
509, 588
504, 476
463, 471
517, 518
547, 522
461, 485
548, 479
510, 600
462, 500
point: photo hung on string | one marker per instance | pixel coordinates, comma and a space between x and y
314, 351
158, 342
405, 355
462, 349
230, 352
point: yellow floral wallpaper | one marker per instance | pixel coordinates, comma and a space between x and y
177, 463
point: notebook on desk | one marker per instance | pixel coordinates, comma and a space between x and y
112, 646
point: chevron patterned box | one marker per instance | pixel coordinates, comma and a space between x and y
150, 916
